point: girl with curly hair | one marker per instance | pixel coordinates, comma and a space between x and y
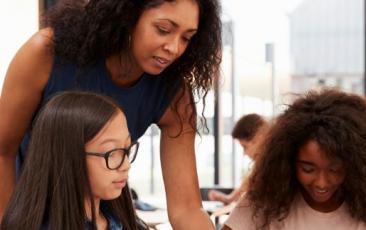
312, 169
151, 56
76, 170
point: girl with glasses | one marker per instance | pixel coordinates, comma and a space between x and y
76, 171
312, 168
156, 58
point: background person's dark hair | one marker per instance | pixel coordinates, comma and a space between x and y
54, 182
86, 31
337, 121
247, 126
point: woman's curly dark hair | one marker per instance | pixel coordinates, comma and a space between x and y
87, 31
337, 121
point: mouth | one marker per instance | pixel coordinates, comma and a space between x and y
120, 183
162, 62
321, 193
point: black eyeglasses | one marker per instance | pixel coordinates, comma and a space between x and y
115, 157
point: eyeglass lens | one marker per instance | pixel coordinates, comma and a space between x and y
117, 156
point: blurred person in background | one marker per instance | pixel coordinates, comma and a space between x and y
249, 130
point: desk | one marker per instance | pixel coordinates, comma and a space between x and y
165, 226
212, 206
159, 220
153, 218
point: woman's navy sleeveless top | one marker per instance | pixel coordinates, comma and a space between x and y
144, 103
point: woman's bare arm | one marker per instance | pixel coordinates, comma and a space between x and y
24, 82
179, 172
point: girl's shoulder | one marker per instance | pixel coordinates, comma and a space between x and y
242, 216
113, 222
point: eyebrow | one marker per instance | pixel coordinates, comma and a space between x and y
176, 25
114, 139
305, 162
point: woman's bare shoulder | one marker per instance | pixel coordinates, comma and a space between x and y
33, 62
42, 41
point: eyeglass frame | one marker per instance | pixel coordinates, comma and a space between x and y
126, 152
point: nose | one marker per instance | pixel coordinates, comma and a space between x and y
172, 46
321, 181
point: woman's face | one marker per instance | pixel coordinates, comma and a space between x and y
107, 184
162, 34
320, 176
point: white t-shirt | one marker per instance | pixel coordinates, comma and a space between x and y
301, 217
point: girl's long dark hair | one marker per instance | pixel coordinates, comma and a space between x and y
337, 121
88, 31
54, 182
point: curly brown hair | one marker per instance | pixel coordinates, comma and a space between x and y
337, 121
87, 31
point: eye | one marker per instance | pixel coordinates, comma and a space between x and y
162, 30
335, 169
188, 36
115, 153
307, 168
186, 39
